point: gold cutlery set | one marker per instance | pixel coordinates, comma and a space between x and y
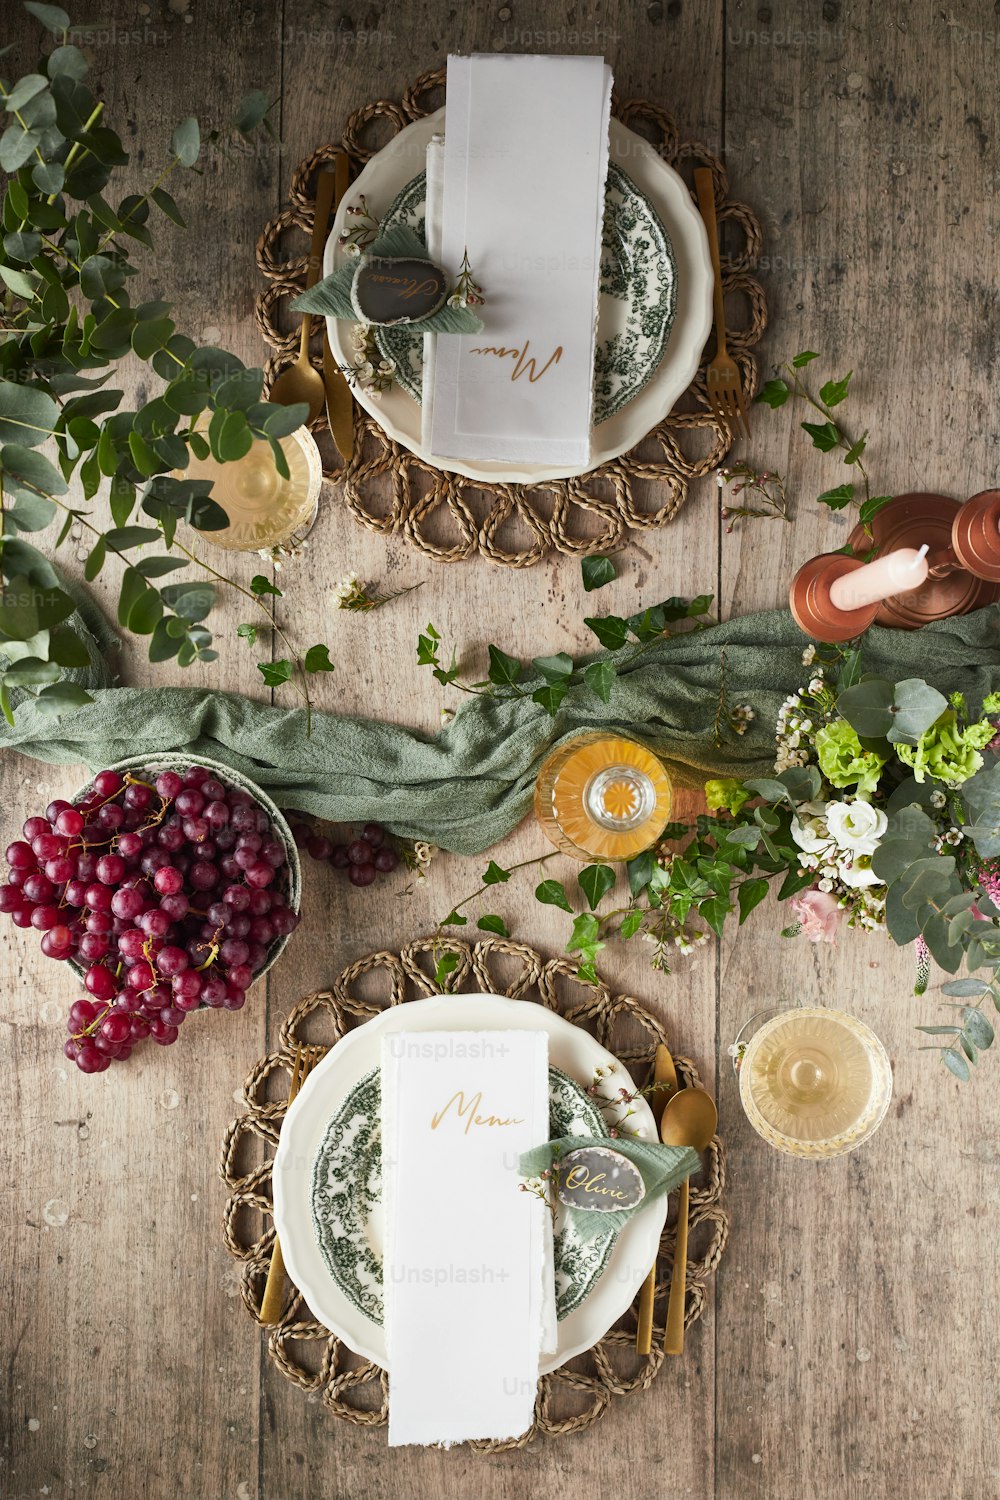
684, 1117
300, 381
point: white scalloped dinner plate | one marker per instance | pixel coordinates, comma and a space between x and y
570, 1048
399, 415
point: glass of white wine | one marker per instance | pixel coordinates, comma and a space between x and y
814, 1082
264, 509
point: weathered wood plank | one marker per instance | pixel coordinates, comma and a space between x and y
866, 138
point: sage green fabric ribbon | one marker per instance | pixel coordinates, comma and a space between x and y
468, 786
661, 1169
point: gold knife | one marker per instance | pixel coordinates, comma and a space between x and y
339, 401
664, 1073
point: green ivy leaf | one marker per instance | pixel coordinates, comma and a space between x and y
773, 394
611, 631
600, 677
750, 894
445, 967
597, 572
835, 391
317, 659
553, 893
550, 696
261, 585
631, 923
595, 881
640, 871
275, 673
554, 669
837, 498
505, 671
825, 435
495, 875
855, 451
871, 507
247, 633
798, 360
584, 936
493, 924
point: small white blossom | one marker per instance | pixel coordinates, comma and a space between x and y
809, 656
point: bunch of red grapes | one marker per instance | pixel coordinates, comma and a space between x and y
368, 855
167, 893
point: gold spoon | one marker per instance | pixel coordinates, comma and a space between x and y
689, 1119
665, 1077
300, 382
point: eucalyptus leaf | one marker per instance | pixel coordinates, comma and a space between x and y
185, 143
52, 17
916, 706
27, 415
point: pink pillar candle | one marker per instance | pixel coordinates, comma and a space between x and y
897, 573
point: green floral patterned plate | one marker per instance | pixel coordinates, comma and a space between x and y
347, 1194
638, 295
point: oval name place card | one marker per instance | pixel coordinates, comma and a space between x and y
398, 290
595, 1177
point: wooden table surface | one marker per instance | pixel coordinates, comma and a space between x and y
850, 1343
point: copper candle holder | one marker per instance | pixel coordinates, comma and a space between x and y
964, 558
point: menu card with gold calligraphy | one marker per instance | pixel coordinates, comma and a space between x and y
525, 163
464, 1253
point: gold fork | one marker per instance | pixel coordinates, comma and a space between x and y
725, 389
273, 1300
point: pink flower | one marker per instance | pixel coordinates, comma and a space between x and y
819, 914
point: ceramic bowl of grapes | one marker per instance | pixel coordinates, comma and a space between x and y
168, 885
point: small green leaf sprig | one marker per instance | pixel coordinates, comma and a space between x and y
828, 434
508, 677
66, 319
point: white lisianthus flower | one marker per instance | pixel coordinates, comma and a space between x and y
857, 827
810, 832
857, 873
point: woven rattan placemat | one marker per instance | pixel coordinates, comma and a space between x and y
448, 517
353, 1389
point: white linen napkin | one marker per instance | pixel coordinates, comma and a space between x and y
525, 163
464, 1247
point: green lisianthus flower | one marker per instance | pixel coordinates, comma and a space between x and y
727, 793
944, 752
843, 759
991, 703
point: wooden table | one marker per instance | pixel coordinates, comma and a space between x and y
850, 1346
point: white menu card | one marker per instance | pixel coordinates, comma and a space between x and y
525, 164
464, 1257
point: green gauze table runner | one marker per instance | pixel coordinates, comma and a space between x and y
468, 786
